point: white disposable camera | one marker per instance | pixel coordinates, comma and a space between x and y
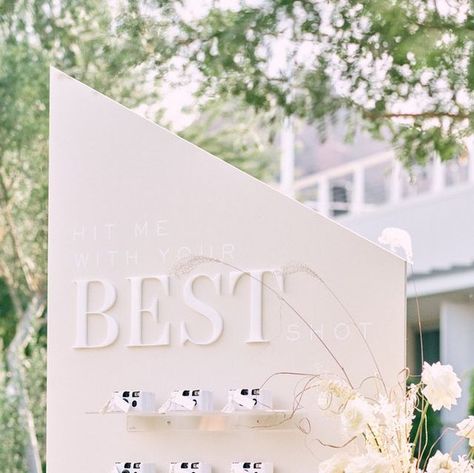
134, 467
188, 400
249, 398
251, 467
138, 401
189, 467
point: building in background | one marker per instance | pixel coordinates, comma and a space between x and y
366, 189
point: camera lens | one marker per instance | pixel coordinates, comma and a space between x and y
195, 465
126, 394
196, 392
127, 465
125, 471
247, 465
255, 392
257, 465
184, 465
136, 394
137, 465
186, 392
244, 392
134, 403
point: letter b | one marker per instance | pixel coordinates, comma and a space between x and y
83, 312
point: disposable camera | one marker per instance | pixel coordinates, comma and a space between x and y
250, 398
138, 401
190, 399
251, 467
134, 467
189, 467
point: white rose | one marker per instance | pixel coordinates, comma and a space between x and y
466, 429
335, 464
441, 385
441, 463
369, 463
356, 416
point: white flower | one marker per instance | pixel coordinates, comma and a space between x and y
369, 463
397, 238
334, 391
466, 429
387, 410
356, 416
441, 385
443, 463
440, 463
335, 464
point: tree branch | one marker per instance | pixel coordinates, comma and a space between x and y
15, 355
11, 230
433, 114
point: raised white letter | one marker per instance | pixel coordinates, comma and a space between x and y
136, 296
83, 312
256, 300
201, 308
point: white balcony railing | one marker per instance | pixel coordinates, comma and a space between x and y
380, 179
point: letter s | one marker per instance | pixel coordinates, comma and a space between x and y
202, 308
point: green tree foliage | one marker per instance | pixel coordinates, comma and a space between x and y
404, 67
238, 135
12, 451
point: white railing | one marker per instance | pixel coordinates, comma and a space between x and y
380, 179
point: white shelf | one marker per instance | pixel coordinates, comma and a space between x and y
214, 421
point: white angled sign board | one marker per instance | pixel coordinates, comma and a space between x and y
136, 307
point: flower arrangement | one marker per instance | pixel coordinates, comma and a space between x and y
380, 430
